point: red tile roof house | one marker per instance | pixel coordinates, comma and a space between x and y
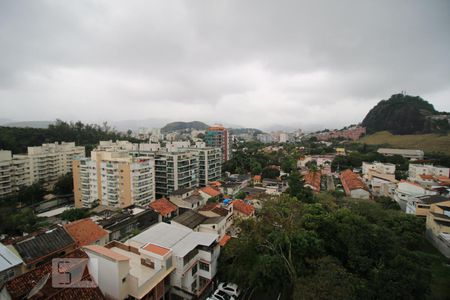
37, 285
312, 180
353, 186
166, 209
209, 192
242, 209
87, 232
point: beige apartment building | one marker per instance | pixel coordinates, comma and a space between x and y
14, 173
48, 162
113, 179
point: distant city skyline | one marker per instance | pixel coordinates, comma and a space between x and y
260, 64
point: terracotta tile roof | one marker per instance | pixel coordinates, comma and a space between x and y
85, 231
19, 287
243, 207
208, 206
351, 181
163, 206
210, 191
106, 252
426, 177
215, 183
156, 249
223, 241
257, 178
313, 179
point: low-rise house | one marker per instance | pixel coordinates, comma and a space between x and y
353, 185
312, 180
212, 210
187, 199
214, 225
242, 209
166, 209
421, 207
87, 232
257, 180
194, 256
380, 177
210, 191
408, 191
438, 226
37, 284
10, 264
42, 246
125, 271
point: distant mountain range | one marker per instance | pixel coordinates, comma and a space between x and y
23, 124
404, 114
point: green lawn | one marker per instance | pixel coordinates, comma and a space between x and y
427, 142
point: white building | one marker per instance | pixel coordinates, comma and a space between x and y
264, 138
380, 177
194, 256
408, 192
412, 154
123, 271
416, 171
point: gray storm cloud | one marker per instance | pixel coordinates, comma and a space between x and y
254, 63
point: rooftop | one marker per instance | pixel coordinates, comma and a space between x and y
43, 244
351, 181
21, 286
180, 240
106, 252
190, 219
210, 191
163, 206
182, 191
8, 259
243, 207
85, 231
432, 199
156, 249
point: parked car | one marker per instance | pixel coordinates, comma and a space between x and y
230, 288
220, 295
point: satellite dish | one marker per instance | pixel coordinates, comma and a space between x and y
39, 285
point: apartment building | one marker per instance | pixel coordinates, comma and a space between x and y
209, 164
194, 256
218, 137
420, 173
48, 162
5, 173
113, 179
264, 138
175, 170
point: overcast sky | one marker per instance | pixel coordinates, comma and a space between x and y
253, 63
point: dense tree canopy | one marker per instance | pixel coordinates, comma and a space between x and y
64, 185
357, 250
18, 139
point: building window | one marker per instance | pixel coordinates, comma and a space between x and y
194, 285
194, 270
124, 279
204, 266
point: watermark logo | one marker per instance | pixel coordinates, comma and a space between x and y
73, 273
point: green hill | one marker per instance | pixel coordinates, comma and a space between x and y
404, 114
176, 126
428, 142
